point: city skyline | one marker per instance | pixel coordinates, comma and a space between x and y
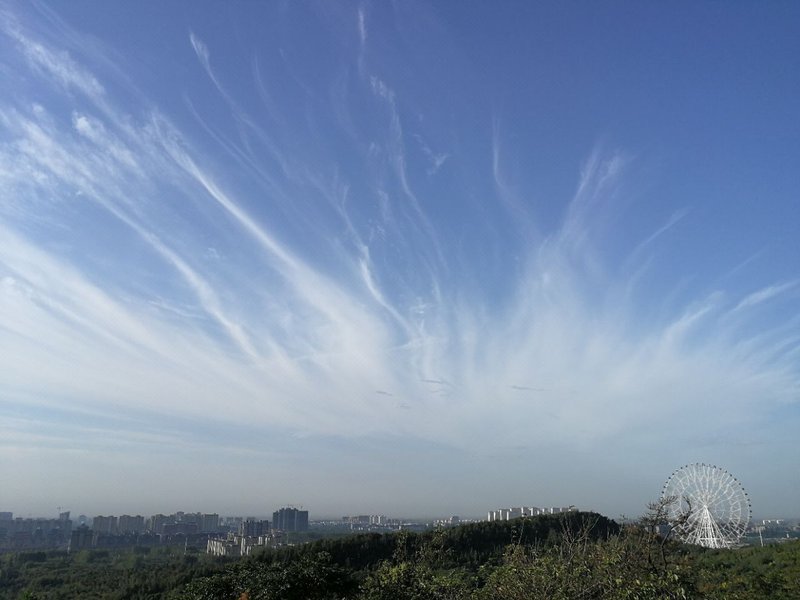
402, 257
371, 518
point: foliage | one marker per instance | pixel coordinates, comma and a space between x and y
769, 572
307, 578
574, 556
617, 568
101, 574
414, 576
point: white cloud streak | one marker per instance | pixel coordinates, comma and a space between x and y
297, 333
764, 295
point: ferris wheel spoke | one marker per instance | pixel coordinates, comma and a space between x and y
710, 506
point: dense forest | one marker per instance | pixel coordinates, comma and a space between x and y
570, 556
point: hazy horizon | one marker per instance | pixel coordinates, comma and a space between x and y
399, 257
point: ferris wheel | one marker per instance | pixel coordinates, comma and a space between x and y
706, 505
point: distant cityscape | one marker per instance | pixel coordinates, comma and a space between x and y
240, 536
197, 530
220, 536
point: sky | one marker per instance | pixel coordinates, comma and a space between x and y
405, 258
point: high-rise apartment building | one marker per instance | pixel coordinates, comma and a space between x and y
157, 522
209, 523
290, 519
80, 539
129, 524
253, 528
102, 524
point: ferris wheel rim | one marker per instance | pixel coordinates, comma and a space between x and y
708, 505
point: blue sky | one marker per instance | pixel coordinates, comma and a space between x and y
403, 258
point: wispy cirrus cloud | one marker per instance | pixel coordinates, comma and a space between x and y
58, 66
764, 295
335, 304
